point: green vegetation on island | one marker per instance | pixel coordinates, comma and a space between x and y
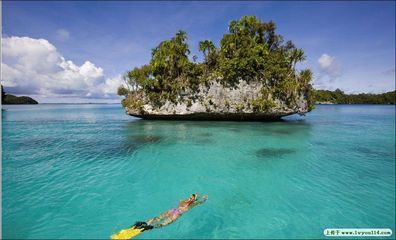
11, 99
250, 51
339, 97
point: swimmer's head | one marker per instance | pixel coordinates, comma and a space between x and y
193, 197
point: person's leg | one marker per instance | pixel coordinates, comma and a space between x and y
167, 221
156, 219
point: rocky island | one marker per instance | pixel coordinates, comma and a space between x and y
252, 75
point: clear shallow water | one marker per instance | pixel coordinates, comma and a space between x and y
87, 171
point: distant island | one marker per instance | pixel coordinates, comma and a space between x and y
339, 97
11, 99
251, 75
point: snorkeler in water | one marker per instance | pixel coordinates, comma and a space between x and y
162, 220
172, 214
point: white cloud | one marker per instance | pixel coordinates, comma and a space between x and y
329, 72
62, 34
34, 66
329, 66
111, 84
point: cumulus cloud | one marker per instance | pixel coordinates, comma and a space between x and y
62, 34
34, 66
329, 66
329, 71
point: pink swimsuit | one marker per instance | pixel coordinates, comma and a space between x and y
175, 211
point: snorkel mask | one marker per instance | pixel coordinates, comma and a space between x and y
193, 197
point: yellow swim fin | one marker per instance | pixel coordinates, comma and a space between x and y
127, 233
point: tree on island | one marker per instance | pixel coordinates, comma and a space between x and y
11, 99
249, 51
2, 94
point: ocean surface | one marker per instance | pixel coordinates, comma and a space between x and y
88, 171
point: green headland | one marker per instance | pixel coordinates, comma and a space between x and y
11, 99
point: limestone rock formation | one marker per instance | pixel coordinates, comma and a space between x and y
217, 102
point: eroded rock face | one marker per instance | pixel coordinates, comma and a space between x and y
218, 102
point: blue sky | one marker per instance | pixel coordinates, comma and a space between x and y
349, 45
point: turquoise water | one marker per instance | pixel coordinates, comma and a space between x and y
87, 171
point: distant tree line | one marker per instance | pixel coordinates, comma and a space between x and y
250, 51
339, 97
